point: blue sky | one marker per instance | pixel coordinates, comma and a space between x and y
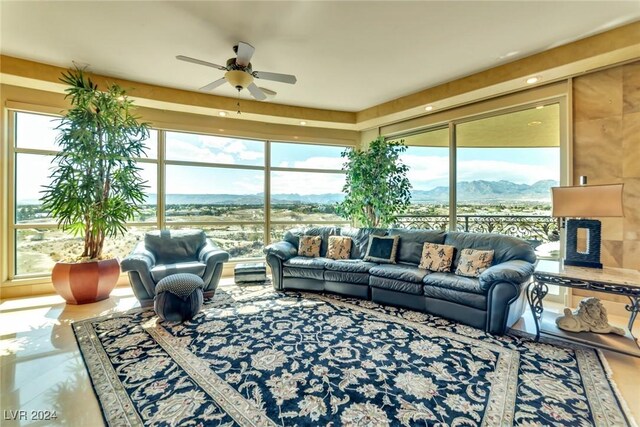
429, 167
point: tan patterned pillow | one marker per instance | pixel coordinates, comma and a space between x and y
472, 262
339, 247
309, 246
436, 257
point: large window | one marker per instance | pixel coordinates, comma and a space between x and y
217, 184
505, 164
306, 183
36, 241
427, 157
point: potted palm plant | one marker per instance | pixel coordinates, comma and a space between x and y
95, 184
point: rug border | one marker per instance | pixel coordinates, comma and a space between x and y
600, 357
626, 410
93, 386
75, 326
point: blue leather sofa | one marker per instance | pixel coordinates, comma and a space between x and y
166, 252
492, 302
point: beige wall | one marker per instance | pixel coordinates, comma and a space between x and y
606, 148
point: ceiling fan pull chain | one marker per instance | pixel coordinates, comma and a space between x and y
238, 104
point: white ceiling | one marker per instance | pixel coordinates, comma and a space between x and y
347, 55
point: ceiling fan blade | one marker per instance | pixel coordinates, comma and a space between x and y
200, 62
276, 77
245, 52
256, 92
211, 86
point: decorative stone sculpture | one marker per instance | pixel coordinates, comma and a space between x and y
591, 316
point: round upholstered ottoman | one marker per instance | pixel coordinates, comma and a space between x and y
178, 297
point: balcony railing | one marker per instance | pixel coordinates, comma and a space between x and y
534, 228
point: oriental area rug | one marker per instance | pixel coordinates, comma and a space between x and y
255, 357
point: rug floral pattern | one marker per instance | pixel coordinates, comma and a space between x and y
257, 357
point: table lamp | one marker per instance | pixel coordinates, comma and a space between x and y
581, 202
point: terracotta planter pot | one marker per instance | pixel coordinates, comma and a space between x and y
85, 282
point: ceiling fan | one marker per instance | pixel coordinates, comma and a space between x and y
240, 74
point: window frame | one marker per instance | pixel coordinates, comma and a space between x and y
161, 162
270, 168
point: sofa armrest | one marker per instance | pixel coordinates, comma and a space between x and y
515, 271
283, 250
140, 260
211, 254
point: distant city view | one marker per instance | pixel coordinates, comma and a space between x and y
40, 248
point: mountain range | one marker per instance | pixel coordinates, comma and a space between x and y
467, 191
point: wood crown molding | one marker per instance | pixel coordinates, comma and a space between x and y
597, 51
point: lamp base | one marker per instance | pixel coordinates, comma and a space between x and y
591, 257
588, 264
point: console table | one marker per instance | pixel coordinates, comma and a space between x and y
616, 281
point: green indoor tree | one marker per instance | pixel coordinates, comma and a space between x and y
95, 184
377, 188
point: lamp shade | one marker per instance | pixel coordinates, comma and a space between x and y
587, 201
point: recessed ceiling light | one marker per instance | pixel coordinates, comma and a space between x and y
428, 108
303, 123
532, 80
534, 123
295, 137
220, 130
222, 113
539, 107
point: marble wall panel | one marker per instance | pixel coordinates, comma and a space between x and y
606, 148
598, 95
631, 145
611, 253
631, 251
631, 202
596, 149
631, 88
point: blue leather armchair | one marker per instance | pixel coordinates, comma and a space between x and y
166, 252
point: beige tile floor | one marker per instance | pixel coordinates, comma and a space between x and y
41, 368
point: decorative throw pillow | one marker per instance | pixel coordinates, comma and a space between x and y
472, 262
309, 246
339, 247
436, 257
382, 249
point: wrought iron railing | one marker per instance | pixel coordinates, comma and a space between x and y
535, 228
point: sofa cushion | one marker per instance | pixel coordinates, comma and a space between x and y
436, 257
309, 246
448, 294
173, 246
306, 262
473, 262
307, 273
339, 247
411, 242
346, 276
396, 285
451, 281
506, 248
293, 236
159, 272
382, 249
404, 272
349, 265
360, 239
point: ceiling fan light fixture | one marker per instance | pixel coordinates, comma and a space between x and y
238, 79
